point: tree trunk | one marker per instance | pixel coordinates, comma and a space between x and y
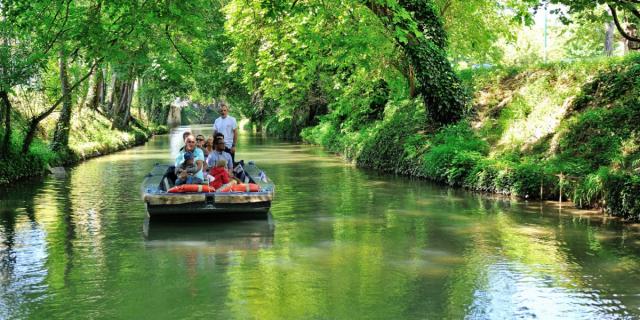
102, 92
138, 97
121, 104
441, 90
61, 135
412, 81
630, 45
6, 141
608, 39
111, 103
95, 88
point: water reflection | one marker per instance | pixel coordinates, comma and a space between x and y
349, 244
219, 236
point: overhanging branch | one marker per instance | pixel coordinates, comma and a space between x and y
614, 14
166, 30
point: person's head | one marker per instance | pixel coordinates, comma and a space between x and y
200, 140
219, 144
221, 163
188, 158
224, 109
209, 144
185, 135
189, 143
218, 135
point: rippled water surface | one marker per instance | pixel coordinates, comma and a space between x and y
341, 243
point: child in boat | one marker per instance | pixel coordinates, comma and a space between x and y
187, 170
219, 176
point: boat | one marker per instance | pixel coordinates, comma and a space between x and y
252, 202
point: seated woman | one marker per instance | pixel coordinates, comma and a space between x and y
208, 147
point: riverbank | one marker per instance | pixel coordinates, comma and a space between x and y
565, 130
90, 136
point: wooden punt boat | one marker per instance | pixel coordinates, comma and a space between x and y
232, 205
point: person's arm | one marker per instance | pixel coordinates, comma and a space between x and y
198, 166
235, 140
229, 164
199, 160
225, 178
178, 162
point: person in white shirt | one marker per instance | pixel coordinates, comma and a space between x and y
228, 126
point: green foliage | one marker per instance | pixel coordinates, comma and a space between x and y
474, 39
382, 146
14, 166
528, 178
195, 114
454, 153
621, 196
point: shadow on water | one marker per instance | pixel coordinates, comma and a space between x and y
229, 234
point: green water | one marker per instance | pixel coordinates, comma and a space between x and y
341, 243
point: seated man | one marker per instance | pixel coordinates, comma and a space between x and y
219, 153
196, 153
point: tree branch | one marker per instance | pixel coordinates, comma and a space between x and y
166, 30
619, 27
33, 124
62, 30
635, 12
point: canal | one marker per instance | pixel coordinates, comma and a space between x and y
340, 243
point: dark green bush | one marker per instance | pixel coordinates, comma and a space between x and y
528, 178
482, 176
590, 191
622, 195
454, 152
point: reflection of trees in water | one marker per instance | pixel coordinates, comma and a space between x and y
7, 254
21, 246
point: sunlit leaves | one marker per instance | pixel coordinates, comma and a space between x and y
317, 45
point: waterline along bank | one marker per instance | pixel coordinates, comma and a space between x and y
89, 137
554, 131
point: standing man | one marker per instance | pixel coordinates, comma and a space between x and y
228, 126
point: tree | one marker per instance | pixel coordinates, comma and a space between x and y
418, 29
61, 135
618, 9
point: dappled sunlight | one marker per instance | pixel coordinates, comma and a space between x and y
541, 117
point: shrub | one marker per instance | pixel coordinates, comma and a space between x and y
454, 153
621, 196
590, 191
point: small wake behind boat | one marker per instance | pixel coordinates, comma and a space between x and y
250, 199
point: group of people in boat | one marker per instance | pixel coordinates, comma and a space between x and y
210, 161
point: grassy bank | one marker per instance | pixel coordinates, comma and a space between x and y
90, 136
538, 132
